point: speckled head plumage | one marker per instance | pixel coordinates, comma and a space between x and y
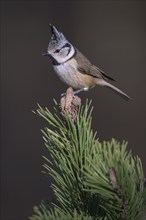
57, 38
59, 48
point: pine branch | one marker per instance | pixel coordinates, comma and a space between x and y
118, 179
92, 180
43, 213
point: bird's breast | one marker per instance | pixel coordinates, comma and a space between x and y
69, 74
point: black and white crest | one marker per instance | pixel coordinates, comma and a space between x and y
59, 48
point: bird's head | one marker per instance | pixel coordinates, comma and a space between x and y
59, 48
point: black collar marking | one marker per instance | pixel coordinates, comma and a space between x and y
55, 63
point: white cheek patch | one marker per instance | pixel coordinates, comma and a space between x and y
64, 55
59, 58
63, 52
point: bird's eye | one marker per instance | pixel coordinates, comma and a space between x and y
57, 51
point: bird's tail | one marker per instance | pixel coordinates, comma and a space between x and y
115, 89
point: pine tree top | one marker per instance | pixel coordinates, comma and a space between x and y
93, 180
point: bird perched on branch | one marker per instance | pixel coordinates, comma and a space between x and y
74, 68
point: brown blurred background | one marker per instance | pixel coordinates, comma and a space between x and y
112, 35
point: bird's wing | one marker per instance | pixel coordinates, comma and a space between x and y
85, 67
104, 75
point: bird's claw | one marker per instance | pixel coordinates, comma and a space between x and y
63, 94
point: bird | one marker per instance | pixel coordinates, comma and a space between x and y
74, 68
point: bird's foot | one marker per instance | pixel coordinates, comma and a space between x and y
63, 94
74, 93
80, 90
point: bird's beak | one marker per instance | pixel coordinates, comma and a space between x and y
55, 32
46, 54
